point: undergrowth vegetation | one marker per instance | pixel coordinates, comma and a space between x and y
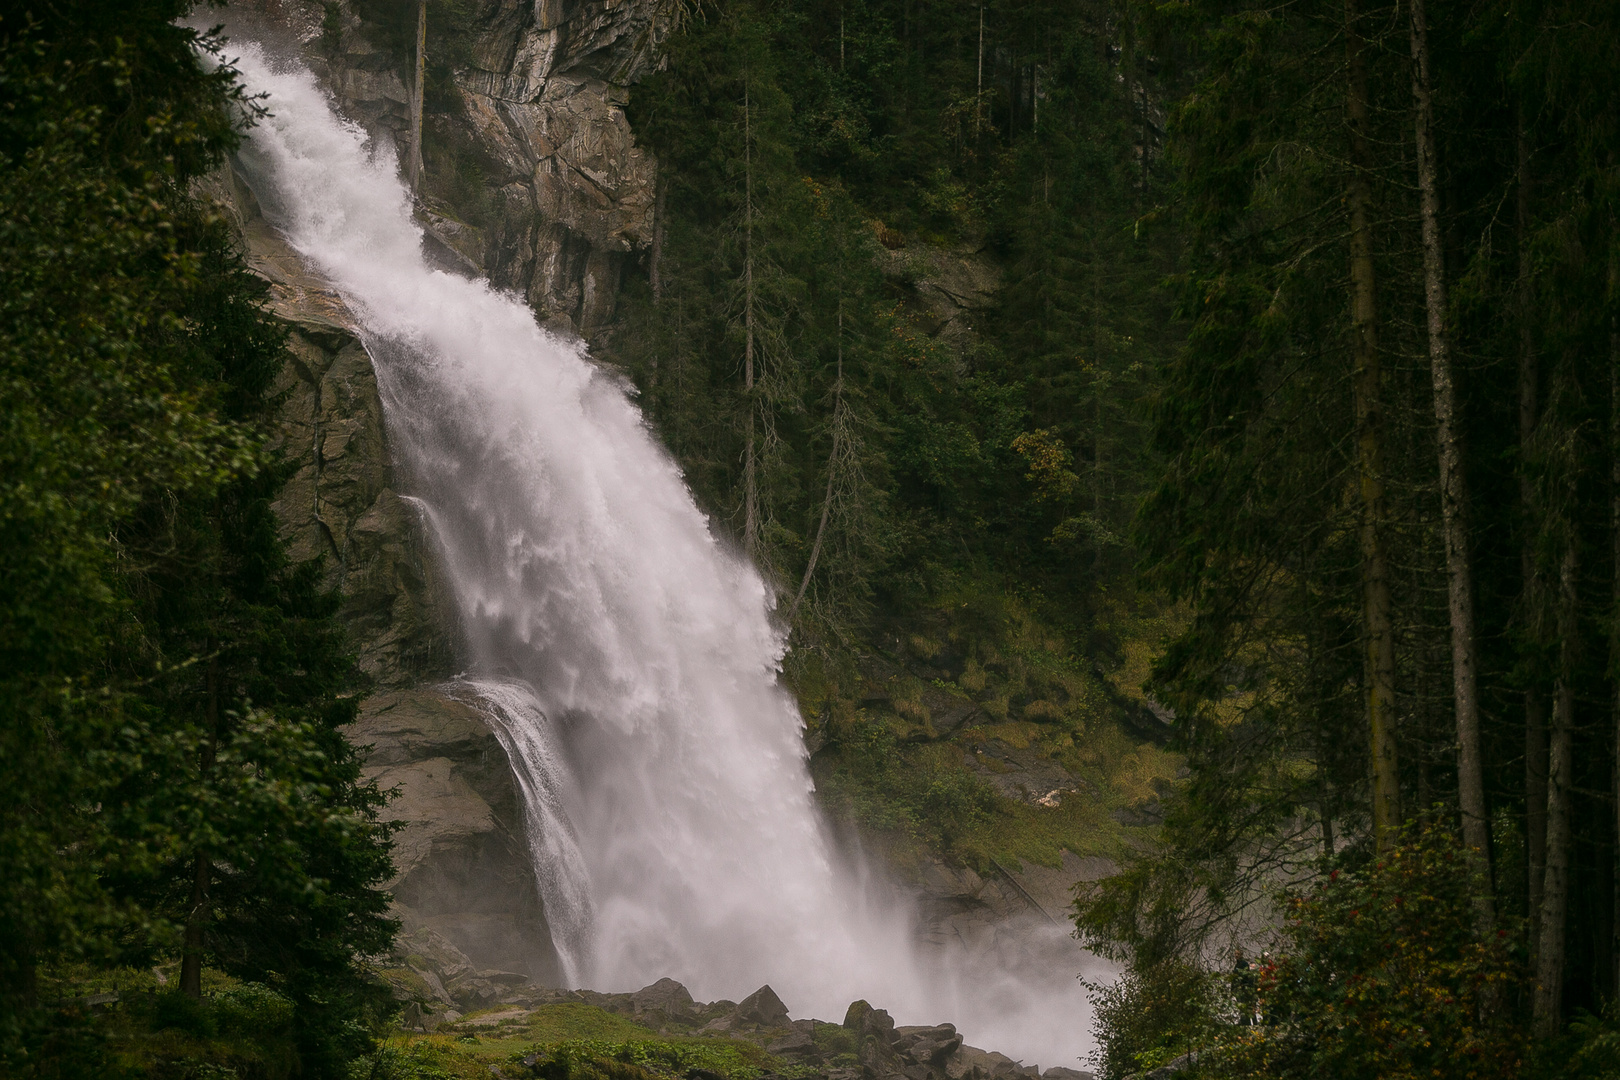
571, 1042
939, 494
1378, 969
975, 731
123, 1022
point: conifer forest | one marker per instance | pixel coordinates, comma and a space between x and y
1208, 408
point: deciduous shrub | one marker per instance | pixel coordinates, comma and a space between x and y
1383, 974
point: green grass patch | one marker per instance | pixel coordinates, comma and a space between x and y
468, 1055
576, 1020
592, 1059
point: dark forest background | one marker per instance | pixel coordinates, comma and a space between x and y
1295, 418
1303, 369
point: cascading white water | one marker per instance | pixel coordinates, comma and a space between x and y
530, 742
627, 658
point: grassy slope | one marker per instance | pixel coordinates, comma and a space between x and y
574, 1041
978, 732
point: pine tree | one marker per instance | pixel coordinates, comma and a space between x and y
175, 688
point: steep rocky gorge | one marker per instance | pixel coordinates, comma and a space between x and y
562, 205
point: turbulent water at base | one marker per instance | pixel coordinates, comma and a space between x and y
627, 658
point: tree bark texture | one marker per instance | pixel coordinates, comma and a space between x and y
1453, 480
1614, 615
750, 465
832, 467
655, 256
1535, 706
191, 955
1378, 623
1560, 780
978, 92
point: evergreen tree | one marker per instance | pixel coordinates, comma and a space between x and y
177, 781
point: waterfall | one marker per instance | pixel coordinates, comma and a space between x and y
625, 656
525, 733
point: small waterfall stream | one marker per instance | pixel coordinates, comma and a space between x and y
625, 657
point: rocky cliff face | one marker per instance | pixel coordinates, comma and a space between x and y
463, 888
342, 503
532, 179
461, 861
562, 199
531, 176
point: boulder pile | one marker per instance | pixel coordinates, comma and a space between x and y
866, 1045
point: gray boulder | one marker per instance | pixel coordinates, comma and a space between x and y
799, 1042
869, 1023
928, 1045
664, 1001
971, 1063
761, 1009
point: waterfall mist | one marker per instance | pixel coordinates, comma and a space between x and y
626, 658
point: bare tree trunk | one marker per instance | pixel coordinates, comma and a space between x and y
750, 466
832, 466
655, 256
1376, 605
1560, 780
1535, 798
191, 956
978, 93
1324, 795
1614, 626
1535, 708
1453, 481
414, 166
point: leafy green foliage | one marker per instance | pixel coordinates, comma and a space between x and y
922, 479
1152, 1015
1383, 973
1595, 1053
173, 685
635, 1054
1380, 971
595, 1060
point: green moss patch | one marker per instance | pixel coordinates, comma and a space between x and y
927, 738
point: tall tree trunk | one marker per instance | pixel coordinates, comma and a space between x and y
191, 954
978, 93
832, 466
414, 167
1614, 615
750, 465
1560, 781
655, 256
1378, 623
1535, 708
1035, 98
1453, 481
